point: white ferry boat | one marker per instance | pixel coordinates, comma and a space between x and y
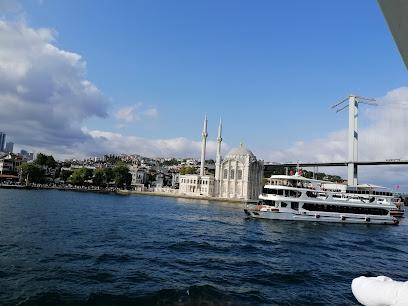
294, 197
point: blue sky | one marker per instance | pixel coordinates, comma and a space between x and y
140, 75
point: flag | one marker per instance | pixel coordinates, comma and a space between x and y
397, 186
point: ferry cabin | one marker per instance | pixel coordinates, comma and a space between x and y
298, 198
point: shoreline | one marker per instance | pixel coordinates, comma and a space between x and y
184, 196
129, 192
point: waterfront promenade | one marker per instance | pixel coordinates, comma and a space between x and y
164, 192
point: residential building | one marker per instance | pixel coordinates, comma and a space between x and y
9, 163
139, 177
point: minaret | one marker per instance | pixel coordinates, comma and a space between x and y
218, 160
219, 140
205, 134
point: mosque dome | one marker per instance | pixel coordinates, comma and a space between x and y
240, 151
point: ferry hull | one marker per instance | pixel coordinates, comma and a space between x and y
320, 217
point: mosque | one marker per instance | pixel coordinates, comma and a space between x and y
238, 176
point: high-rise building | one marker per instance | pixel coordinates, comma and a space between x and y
2, 140
9, 147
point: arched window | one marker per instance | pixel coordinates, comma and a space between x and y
232, 174
225, 173
239, 174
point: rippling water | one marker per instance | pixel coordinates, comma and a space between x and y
74, 248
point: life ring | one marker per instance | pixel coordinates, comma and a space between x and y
317, 216
313, 188
396, 222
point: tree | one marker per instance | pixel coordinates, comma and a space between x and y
171, 162
187, 170
45, 160
98, 177
81, 175
65, 174
122, 175
109, 176
40, 159
50, 162
31, 172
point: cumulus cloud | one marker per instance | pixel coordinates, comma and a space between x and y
135, 113
44, 93
108, 142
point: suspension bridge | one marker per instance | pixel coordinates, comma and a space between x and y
352, 163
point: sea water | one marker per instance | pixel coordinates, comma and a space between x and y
78, 248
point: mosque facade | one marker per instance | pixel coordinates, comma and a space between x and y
238, 175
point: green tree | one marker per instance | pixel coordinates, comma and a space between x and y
122, 175
187, 170
40, 159
65, 174
50, 162
98, 177
81, 175
31, 172
45, 160
108, 175
171, 162
103, 176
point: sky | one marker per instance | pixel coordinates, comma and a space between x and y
80, 79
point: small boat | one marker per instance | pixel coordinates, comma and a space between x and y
294, 197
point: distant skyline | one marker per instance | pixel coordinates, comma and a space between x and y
85, 78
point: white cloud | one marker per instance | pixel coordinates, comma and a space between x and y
135, 113
44, 93
108, 142
151, 112
125, 113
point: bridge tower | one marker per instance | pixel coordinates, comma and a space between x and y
352, 172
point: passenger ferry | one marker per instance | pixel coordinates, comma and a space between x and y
294, 197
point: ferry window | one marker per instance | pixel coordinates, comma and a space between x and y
294, 205
283, 204
239, 174
225, 173
232, 174
270, 203
280, 192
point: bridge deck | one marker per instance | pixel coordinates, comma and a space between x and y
335, 164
